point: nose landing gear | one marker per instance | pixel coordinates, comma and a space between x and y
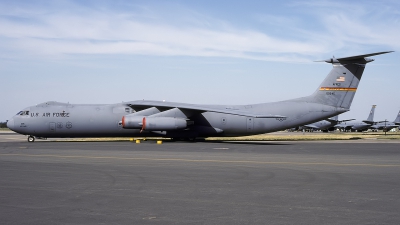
31, 138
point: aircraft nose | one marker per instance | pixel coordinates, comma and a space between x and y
10, 124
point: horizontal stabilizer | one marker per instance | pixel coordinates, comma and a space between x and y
360, 58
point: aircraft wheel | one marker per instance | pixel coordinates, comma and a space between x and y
31, 138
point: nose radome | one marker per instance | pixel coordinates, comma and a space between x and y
10, 124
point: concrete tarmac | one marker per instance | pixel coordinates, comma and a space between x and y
348, 182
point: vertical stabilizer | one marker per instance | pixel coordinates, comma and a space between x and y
397, 120
339, 87
371, 114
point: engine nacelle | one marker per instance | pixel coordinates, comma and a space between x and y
153, 123
132, 122
163, 123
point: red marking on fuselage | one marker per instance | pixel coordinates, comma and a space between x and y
143, 124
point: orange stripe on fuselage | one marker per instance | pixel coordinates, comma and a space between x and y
337, 89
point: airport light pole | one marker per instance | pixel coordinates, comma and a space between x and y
385, 126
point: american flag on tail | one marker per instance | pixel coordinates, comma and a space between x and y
340, 79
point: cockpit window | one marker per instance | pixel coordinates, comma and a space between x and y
23, 113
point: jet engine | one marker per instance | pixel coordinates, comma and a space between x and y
132, 122
163, 123
153, 123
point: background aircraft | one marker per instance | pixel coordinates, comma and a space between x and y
324, 125
190, 121
386, 125
358, 125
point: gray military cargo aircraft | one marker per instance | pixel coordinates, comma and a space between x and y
190, 121
386, 125
359, 125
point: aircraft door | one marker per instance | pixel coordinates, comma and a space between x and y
52, 127
250, 124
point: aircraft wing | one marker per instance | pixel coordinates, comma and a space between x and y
345, 120
140, 105
311, 126
368, 121
382, 121
332, 120
338, 121
374, 127
343, 126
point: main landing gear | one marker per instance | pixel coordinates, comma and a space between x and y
31, 138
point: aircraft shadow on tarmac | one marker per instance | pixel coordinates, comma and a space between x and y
247, 143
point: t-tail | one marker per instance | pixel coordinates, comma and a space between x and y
339, 87
370, 118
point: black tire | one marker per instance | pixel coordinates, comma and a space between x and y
31, 139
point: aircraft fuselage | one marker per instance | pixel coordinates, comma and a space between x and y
54, 119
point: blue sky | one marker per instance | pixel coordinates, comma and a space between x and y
206, 52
